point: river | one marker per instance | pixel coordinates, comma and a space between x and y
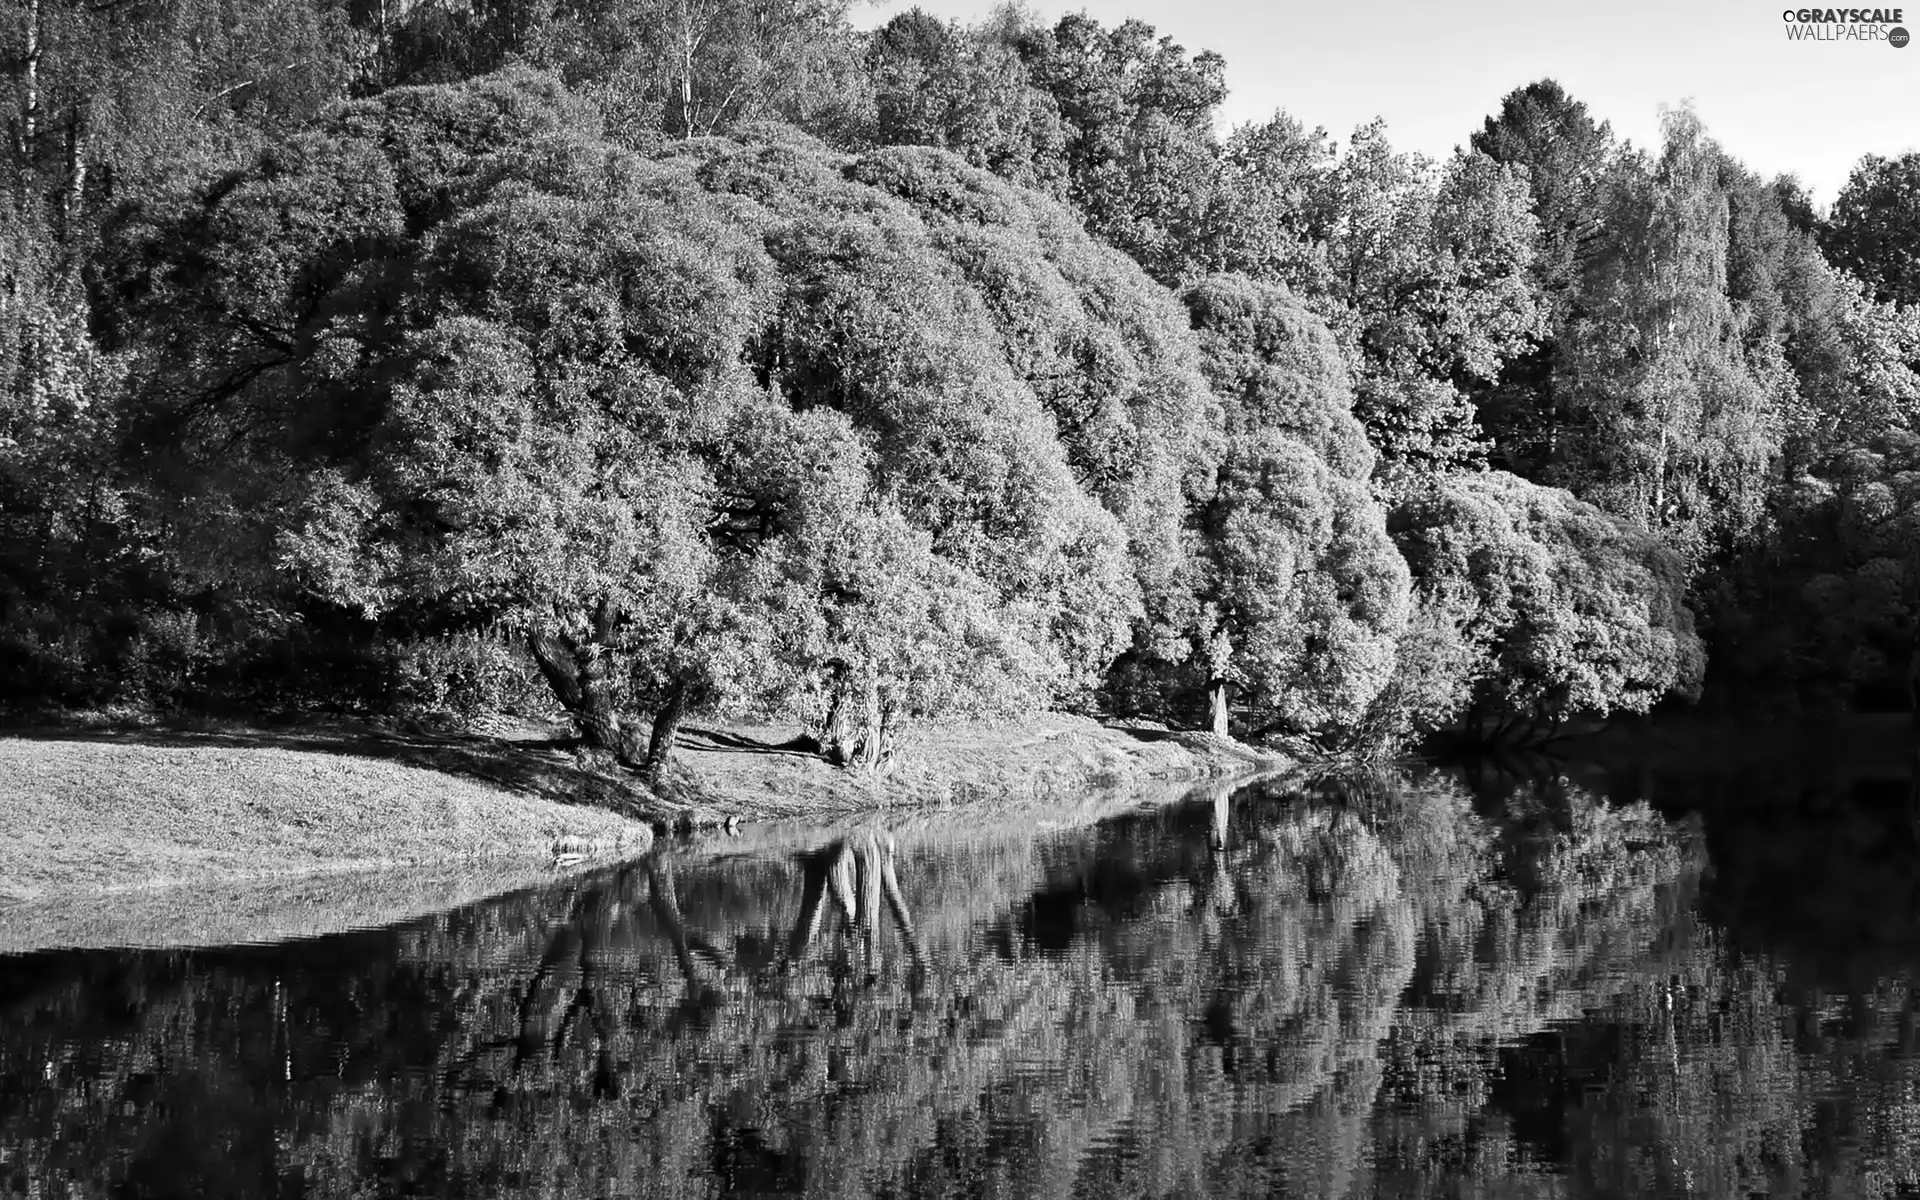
1516, 982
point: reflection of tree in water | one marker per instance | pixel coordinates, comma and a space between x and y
1310, 979
1378, 986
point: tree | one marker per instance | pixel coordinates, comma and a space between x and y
1106, 352
1550, 136
1301, 595
965, 91
114, 98
73, 568
1841, 623
105, 106
742, 423
1139, 151
1276, 367
1679, 426
1554, 607
1431, 288
1874, 228
1266, 219
657, 68
1772, 628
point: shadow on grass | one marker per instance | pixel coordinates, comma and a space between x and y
545, 767
697, 740
1150, 735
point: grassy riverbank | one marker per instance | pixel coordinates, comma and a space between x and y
129, 807
111, 813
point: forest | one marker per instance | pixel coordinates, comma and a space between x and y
631, 361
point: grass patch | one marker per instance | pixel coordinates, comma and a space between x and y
106, 813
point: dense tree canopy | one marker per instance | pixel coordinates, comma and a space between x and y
1302, 596
723, 357
1528, 582
1874, 231
745, 420
1679, 423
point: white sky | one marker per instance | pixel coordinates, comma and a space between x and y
1435, 68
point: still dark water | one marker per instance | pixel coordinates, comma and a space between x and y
1404, 985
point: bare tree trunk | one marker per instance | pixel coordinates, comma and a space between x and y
687, 45
1660, 482
579, 672
666, 729
76, 172
835, 738
598, 718
867, 756
859, 735
1219, 719
30, 86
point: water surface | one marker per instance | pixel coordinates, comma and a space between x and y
1518, 983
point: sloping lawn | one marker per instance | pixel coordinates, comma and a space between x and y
90, 816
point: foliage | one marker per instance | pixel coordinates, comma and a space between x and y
1678, 423
1302, 596
732, 425
1565, 156
1137, 113
725, 358
1874, 228
1266, 218
1549, 134
1426, 278
967, 91
1857, 616
1554, 607
1276, 366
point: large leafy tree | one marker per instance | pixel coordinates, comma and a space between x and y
1551, 137
965, 90
1138, 114
109, 100
747, 422
1301, 596
1564, 154
105, 105
1535, 607
73, 575
1874, 228
657, 68
1266, 217
1430, 280
1678, 420
1856, 618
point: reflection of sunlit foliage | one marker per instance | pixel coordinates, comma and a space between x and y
1528, 914
1382, 986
